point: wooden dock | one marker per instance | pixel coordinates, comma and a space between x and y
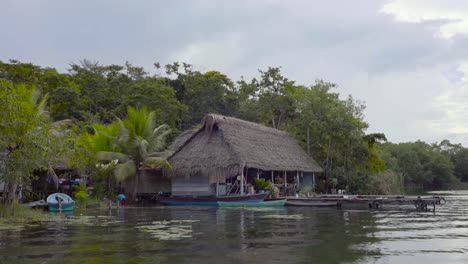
367, 201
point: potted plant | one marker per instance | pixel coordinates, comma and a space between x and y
260, 185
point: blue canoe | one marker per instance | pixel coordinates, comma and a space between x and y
280, 202
67, 203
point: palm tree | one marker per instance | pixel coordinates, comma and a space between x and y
138, 143
24, 136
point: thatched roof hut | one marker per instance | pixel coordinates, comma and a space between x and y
181, 139
224, 146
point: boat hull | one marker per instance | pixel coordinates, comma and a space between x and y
67, 205
258, 204
212, 200
310, 204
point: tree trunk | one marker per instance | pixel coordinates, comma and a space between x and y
135, 186
279, 120
10, 190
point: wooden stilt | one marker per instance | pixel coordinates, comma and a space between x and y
297, 180
284, 179
217, 184
242, 182
313, 181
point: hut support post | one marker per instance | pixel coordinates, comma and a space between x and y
284, 179
272, 179
313, 181
242, 182
258, 174
297, 180
217, 185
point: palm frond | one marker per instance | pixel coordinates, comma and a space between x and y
161, 128
154, 162
161, 154
109, 155
123, 134
41, 107
158, 138
125, 170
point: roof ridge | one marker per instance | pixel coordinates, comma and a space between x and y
221, 119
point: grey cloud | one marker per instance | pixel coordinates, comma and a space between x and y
397, 68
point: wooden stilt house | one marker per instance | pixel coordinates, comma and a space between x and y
225, 155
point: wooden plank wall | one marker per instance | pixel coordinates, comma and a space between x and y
193, 186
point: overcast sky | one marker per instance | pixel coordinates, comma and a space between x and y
406, 59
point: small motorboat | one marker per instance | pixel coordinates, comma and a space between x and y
279, 202
59, 202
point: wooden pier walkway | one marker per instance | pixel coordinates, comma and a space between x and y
367, 201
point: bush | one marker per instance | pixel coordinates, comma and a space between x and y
261, 184
82, 194
273, 191
80, 197
386, 182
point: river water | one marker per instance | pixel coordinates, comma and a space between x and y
234, 235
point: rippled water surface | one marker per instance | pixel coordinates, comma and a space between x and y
232, 235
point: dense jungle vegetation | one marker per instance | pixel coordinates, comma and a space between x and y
48, 116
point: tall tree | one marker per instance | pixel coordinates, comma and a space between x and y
202, 93
25, 142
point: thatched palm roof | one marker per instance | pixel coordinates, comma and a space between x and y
227, 144
182, 138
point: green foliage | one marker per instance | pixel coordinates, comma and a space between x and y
421, 164
13, 216
119, 106
202, 93
305, 191
128, 144
25, 137
261, 184
272, 190
386, 182
81, 195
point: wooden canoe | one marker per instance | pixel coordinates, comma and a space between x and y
310, 204
212, 200
257, 204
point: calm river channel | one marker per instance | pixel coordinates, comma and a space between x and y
234, 235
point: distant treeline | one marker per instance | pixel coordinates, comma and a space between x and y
330, 129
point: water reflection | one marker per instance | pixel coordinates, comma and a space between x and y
247, 235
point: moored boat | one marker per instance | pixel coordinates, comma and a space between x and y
212, 200
280, 202
58, 202
310, 203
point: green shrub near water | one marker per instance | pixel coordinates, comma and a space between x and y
81, 195
261, 184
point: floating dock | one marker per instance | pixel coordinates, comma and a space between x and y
367, 201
